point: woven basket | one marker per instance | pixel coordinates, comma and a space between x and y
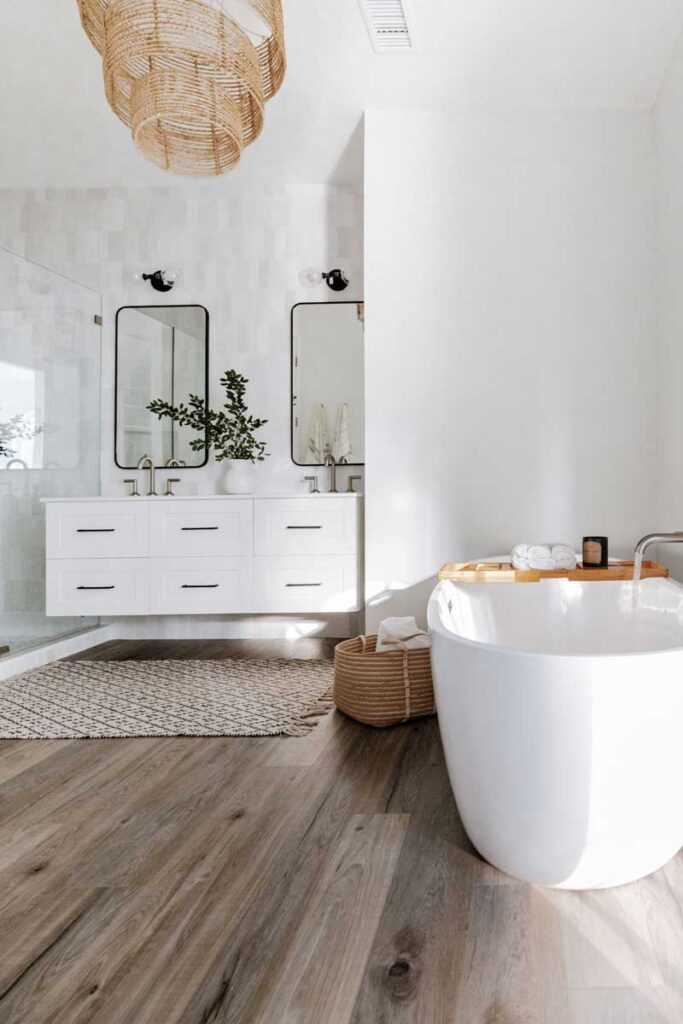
382, 689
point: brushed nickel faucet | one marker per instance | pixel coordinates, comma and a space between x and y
147, 463
656, 538
330, 461
644, 543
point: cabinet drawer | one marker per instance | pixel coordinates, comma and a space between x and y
112, 529
300, 584
202, 528
98, 586
306, 526
195, 585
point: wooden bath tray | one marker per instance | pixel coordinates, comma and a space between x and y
503, 572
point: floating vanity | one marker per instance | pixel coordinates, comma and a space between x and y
203, 555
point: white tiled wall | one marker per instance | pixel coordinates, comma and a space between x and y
239, 253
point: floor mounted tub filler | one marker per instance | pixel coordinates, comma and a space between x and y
560, 706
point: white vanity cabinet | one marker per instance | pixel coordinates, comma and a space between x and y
209, 555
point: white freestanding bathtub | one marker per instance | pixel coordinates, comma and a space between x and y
560, 707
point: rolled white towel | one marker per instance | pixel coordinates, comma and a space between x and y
519, 557
564, 556
400, 633
542, 564
543, 557
539, 551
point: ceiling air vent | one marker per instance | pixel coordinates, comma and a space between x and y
389, 25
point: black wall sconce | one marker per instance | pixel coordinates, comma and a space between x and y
334, 279
161, 280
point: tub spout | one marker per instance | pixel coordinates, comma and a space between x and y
656, 538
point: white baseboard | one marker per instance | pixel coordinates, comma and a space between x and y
53, 650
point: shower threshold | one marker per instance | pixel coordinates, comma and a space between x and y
23, 644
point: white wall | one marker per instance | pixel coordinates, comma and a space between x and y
510, 325
239, 251
669, 136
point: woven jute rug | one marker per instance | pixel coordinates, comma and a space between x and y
232, 697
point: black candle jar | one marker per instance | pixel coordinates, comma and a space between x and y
595, 553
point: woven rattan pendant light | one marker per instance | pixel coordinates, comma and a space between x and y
187, 79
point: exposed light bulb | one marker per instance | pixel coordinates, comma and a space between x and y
311, 278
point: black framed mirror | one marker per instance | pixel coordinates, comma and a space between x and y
161, 352
328, 383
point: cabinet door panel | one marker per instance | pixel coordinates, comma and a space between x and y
187, 586
306, 526
322, 583
97, 586
202, 528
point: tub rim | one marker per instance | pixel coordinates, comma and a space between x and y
436, 625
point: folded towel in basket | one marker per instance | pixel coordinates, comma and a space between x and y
400, 634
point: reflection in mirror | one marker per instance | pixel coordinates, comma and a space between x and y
328, 395
41, 388
161, 352
21, 432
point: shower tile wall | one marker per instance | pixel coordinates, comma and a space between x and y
239, 254
49, 389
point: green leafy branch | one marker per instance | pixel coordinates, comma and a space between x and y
230, 431
18, 428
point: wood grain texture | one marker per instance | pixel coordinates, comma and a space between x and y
322, 880
504, 572
322, 968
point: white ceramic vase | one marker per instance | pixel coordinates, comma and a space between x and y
239, 476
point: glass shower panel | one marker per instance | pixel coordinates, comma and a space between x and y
49, 431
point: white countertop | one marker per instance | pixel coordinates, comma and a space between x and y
204, 497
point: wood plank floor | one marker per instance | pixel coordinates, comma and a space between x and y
324, 880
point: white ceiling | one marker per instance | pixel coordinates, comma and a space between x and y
56, 129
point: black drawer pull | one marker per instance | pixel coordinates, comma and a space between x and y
109, 529
304, 584
304, 527
112, 587
197, 529
199, 586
